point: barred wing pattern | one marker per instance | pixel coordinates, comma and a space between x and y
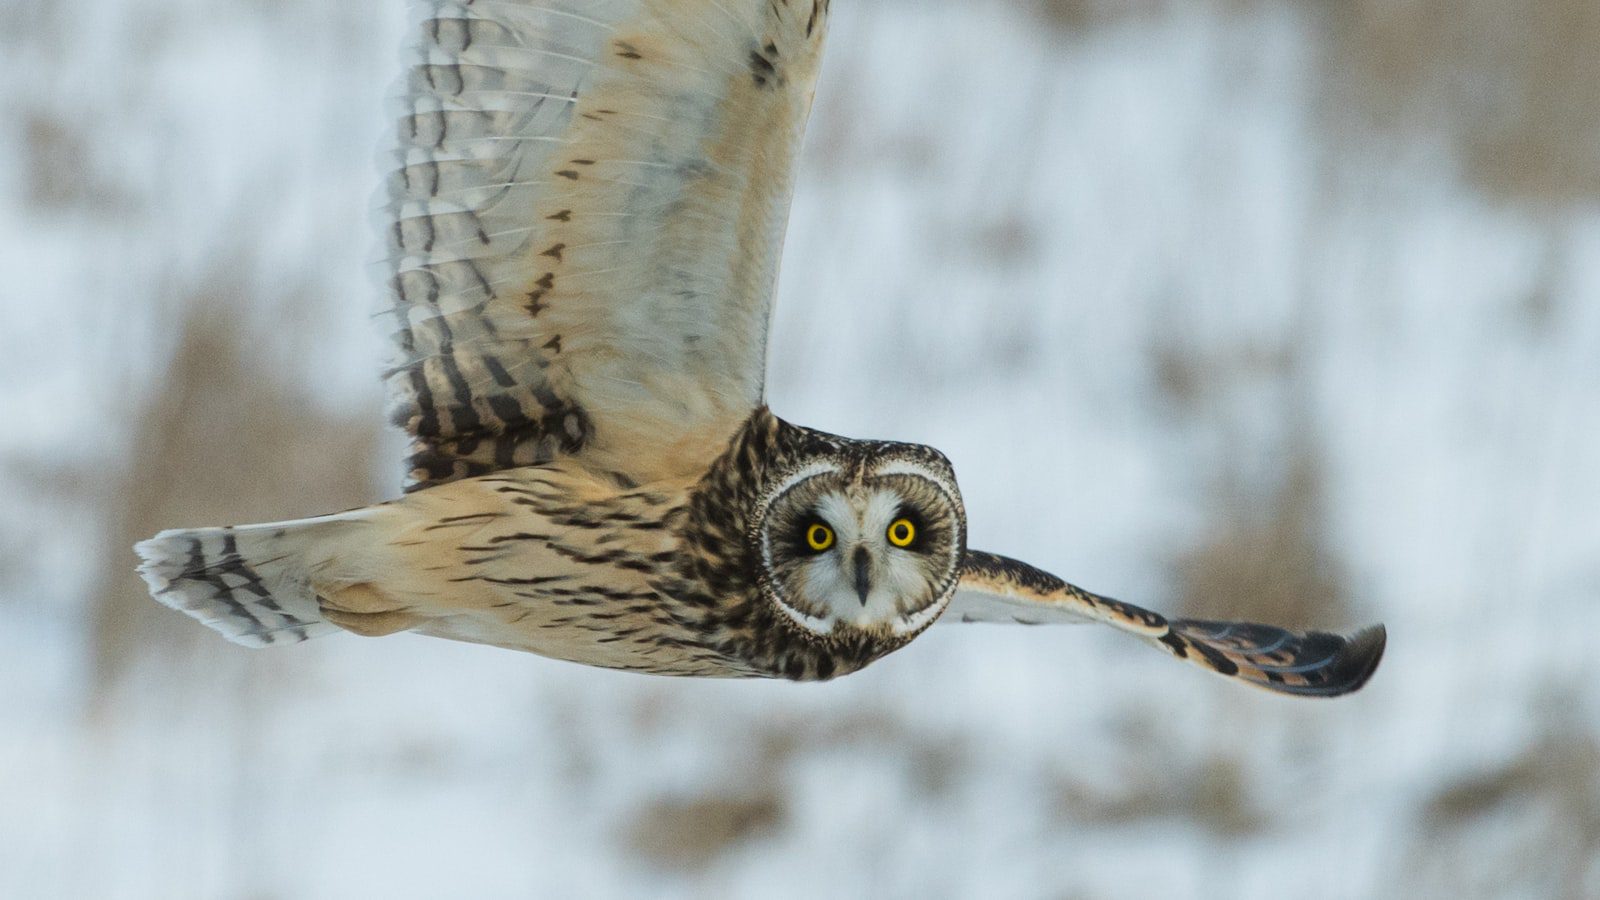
1315, 663
586, 219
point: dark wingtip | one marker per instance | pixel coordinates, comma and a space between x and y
1346, 672
1304, 664
1356, 661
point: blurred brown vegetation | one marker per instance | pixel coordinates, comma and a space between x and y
1529, 825
753, 800
1155, 781
691, 832
1265, 553
1510, 85
1269, 558
224, 437
1211, 795
57, 161
1076, 15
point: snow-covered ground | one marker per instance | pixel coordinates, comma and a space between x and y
1237, 307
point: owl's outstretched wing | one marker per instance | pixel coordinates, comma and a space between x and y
1312, 664
585, 223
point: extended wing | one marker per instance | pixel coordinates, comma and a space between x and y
585, 224
1313, 663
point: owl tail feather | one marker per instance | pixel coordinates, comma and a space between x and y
250, 583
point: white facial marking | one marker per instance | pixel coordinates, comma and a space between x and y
907, 467
809, 622
920, 619
801, 474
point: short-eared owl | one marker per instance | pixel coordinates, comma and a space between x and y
586, 212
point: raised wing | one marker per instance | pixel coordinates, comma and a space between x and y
585, 225
1312, 664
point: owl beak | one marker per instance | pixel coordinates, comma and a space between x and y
863, 580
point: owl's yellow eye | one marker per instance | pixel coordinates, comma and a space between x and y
819, 537
902, 532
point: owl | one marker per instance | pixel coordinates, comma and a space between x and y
584, 219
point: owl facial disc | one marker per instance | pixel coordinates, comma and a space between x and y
871, 548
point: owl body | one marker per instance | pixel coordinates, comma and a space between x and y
555, 559
585, 215
670, 577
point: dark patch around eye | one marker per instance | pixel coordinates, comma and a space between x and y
919, 525
802, 536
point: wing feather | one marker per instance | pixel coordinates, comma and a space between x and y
584, 224
1314, 663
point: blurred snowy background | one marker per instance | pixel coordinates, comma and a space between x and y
1279, 310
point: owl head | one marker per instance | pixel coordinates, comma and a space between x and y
862, 544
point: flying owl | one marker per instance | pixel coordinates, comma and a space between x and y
585, 216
